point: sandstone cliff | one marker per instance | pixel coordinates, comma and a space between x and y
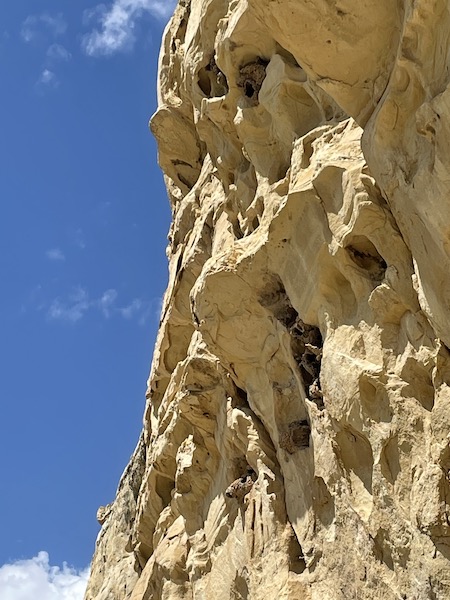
296, 435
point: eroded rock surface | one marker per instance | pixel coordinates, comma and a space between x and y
296, 435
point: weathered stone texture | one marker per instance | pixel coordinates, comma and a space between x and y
296, 435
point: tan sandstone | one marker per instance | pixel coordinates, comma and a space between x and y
296, 434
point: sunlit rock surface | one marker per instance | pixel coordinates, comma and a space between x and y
296, 435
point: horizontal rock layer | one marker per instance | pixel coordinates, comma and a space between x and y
296, 435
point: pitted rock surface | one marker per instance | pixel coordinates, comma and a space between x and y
306, 151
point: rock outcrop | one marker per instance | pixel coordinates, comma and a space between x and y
296, 435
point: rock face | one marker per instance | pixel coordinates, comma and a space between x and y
296, 435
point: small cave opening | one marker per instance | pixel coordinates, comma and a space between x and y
164, 486
306, 340
307, 344
364, 255
251, 77
212, 81
249, 90
241, 478
296, 436
241, 486
238, 397
181, 34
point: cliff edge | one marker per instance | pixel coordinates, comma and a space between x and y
297, 427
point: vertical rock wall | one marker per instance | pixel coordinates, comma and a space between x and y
296, 435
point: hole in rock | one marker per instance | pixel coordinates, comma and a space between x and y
364, 254
163, 487
306, 340
241, 486
212, 81
251, 77
276, 300
249, 89
180, 35
307, 344
204, 82
296, 436
239, 398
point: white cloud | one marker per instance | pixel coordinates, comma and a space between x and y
145, 315
36, 578
55, 254
78, 303
47, 78
34, 24
106, 302
57, 24
141, 310
128, 312
117, 24
57, 53
73, 309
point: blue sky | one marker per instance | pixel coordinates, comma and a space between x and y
83, 237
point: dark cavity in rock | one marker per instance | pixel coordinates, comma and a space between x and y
306, 343
212, 80
364, 254
251, 77
306, 340
296, 436
241, 486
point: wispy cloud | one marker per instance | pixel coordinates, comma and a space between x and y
45, 28
36, 578
35, 25
47, 78
117, 24
78, 303
138, 309
134, 308
55, 254
57, 53
106, 302
73, 309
